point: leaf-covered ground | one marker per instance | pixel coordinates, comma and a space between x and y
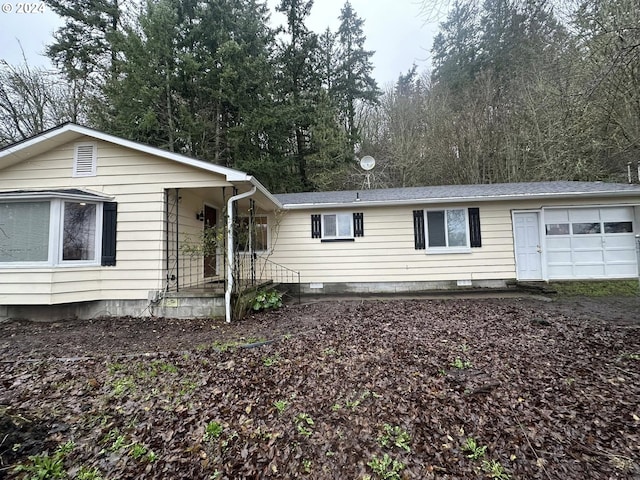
347, 390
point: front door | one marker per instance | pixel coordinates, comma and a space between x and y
528, 251
210, 221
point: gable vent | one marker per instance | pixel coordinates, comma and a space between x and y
84, 160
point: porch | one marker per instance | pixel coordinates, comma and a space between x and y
198, 260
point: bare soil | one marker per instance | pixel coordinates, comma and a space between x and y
334, 389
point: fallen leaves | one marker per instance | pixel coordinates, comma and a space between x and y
556, 399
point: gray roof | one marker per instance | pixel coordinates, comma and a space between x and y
452, 193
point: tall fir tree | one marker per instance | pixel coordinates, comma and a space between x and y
299, 81
354, 82
83, 47
455, 47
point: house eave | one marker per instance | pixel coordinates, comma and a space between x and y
469, 199
70, 132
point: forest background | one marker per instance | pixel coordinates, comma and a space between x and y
519, 90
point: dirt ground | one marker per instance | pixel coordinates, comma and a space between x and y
364, 389
108, 336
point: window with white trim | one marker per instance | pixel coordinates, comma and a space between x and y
79, 228
447, 229
453, 230
337, 226
85, 160
49, 233
24, 232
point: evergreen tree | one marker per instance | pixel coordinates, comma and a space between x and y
328, 59
299, 82
83, 46
455, 48
353, 82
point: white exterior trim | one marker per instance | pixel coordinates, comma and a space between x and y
69, 132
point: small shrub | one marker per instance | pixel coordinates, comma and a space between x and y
266, 300
138, 451
386, 467
495, 470
281, 405
395, 436
213, 430
271, 361
461, 364
475, 451
44, 466
86, 473
304, 422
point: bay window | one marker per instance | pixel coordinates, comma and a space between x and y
50, 232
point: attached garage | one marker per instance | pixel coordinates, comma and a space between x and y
577, 242
590, 242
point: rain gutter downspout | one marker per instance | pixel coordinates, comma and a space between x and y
227, 293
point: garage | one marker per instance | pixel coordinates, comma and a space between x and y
591, 242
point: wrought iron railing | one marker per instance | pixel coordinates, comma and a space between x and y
250, 271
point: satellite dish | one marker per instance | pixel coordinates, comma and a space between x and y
367, 162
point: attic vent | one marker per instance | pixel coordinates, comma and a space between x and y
84, 160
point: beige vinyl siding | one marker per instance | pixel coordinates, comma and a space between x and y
137, 181
386, 253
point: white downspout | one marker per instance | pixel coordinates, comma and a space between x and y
227, 293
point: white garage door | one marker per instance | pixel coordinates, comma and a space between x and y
590, 243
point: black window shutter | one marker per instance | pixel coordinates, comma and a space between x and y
316, 226
418, 229
109, 220
474, 227
358, 225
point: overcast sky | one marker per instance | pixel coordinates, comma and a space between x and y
394, 30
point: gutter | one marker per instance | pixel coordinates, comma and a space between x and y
264, 191
229, 289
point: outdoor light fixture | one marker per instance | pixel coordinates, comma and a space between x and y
200, 216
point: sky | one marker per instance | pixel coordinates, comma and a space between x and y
395, 31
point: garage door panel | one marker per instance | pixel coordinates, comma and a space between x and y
620, 241
563, 271
559, 257
589, 271
626, 270
586, 241
559, 242
617, 214
623, 256
588, 256
556, 216
605, 251
584, 215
